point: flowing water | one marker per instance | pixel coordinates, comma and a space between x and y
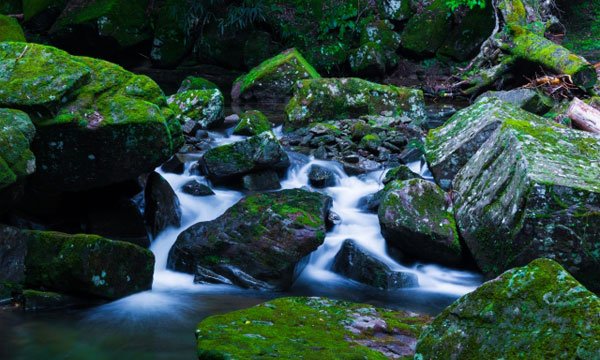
159, 324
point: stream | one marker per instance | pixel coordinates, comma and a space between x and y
160, 324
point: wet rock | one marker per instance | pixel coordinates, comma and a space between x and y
274, 78
530, 100
333, 219
321, 177
318, 100
96, 123
35, 300
162, 208
252, 123
532, 191
10, 30
508, 315
400, 173
261, 181
118, 219
362, 167
264, 235
205, 107
355, 263
334, 330
173, 166
203, 275
195, 188
232, 161
450, 147
416, 217
371, 202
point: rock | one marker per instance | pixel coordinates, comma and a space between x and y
356, 264
16, 159
397, 10
363, 166
274, 78
532, 191
162, 208
264, 236
172, 36
117, 219
195, 188
205, 107
10, 30
378, 47
318, 100
448, 148
400, 173
326, 329
13, 249
261, 181
427, 30
96, 124
537, 312
196, 83
321, 177
530, 100
35, 300
173, 166
371, 142
232, 161
252, 123
416, 217
125, 22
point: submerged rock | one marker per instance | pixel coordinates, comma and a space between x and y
318, 100
323, 328
10, 30
531, 191
449, 147
536, 312
274, 78
356, 264
231, 162
162, 208
416, 217
204, 107
263, 236
252, 123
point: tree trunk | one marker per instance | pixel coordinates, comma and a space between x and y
584, 116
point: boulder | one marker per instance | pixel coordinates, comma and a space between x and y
10, 30
396, 10
97, 124
377, 51
205, 107
16, 159
400, 173
532, 191
173, 166
538, 311
448, 148
326, 99
35, 300
531, 100
162, 208
193, 187
416, 218
261, 181
252, 122
356, 264
427, 30
326, 329
196, 83
232, 161
263, 236
321, 177
274, 78
118, 219
13, 249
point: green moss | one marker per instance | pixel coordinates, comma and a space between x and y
196, 83
10, 30
426, 31
252, 123
293, 328
202, 106
16, 159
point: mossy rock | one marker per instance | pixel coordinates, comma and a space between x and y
204, 107
416, 217
124, 21
397, 10
315, 328
252, 122
427, 30
16, 159
449, 147
532, 190
538, 311
10, 30
400, 173
377, 52
532, 100
196, 83
230, 162
86, 265
262, 237
274, 78
328, 99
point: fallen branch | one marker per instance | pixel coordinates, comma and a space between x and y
584, 116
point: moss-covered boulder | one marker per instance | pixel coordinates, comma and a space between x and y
427, 30
333, 99
400, 173
196, 83
257, 153
97, 124
532, 191
532, 100
377, 52
416, 217
10, 30
126, 22
16, 159
274, 78
252, 122
257, 242
319, 328
398, 10
205, 107
448, 148
538, 311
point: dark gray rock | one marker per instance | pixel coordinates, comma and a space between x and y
321, 177
261, 181
173, 166
193, 187
162, 205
